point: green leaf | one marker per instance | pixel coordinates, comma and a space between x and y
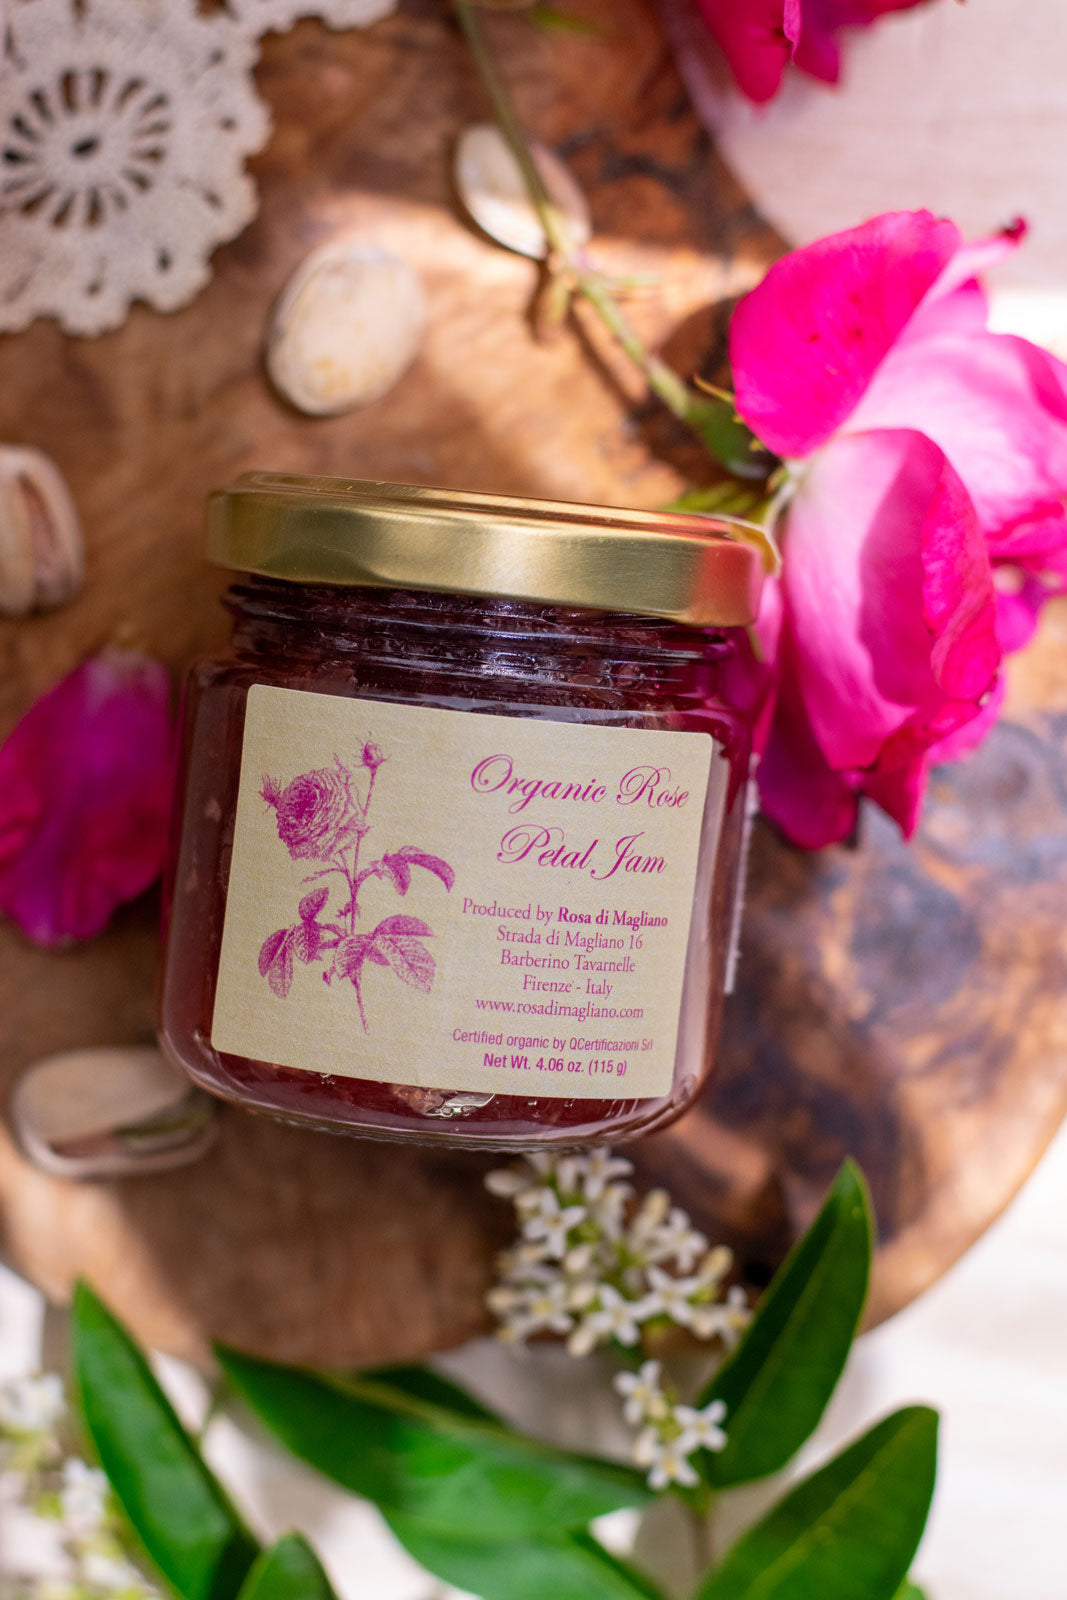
289, 1570
910, 1591
411, 1456
424, 1383
177, 1509
569, 1565
573, 1567
728, 496
849, 1531
778, 1381
717, 424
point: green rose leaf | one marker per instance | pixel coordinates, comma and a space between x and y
289, 1570
910, 1591
778, 1381
849, 1532
416, 1457
564, 1567
177, 1509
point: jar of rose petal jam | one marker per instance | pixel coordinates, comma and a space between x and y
460, 829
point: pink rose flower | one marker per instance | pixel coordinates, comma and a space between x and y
925, 455
85, 792
316, 813
760, 38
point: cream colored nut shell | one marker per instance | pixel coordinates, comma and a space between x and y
42, 552
492, 188
348, 324
108, 1111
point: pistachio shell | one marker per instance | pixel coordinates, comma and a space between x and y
42, 553
110, 1113
348, 324
491, 185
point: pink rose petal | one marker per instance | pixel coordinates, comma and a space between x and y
85, 791
749, 34
799, 791
1019, 600
996, 405
889, 593
973, 259
812, 804
929, 522
807, 341
811, 28
759, 37
899, 790
964, 311
1029, 567
750, 685
970, 734
1018, 613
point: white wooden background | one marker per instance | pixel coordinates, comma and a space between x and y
958, 107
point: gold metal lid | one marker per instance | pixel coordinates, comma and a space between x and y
687, 567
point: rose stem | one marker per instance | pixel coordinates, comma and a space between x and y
359, 1001
354, 882
350, 879
713, 421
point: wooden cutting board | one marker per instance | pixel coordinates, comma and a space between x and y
900, 1003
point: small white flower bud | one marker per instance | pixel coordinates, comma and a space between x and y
578, 1260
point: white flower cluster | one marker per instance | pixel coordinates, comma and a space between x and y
594, 1264
31, 1407
598, 1266
670, 1431
64, 1492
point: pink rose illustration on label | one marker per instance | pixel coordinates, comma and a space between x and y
323, 816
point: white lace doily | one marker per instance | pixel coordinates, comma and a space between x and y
262, 16
124, 129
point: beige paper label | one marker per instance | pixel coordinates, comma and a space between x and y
479, 903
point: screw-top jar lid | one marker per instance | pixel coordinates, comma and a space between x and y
683, 566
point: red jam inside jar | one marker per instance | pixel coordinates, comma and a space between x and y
453, 866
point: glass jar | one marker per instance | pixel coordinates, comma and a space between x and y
460, 827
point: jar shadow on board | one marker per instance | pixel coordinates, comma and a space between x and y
459, 840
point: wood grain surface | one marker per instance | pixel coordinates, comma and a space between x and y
904, 1004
